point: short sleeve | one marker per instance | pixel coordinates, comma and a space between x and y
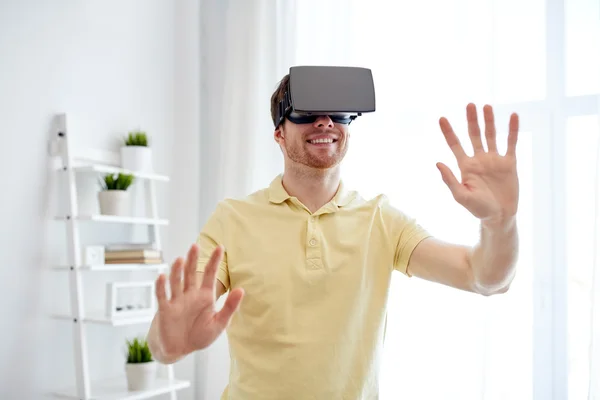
212, 235
404, 234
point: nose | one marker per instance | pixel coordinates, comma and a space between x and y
323, 121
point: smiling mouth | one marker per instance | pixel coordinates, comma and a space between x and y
322, 141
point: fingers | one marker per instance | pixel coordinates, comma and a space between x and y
175, 279
452, 139
191, 262
513, 133
230, 307
474, 131
210, 271
450, 180
161, 295
490, 129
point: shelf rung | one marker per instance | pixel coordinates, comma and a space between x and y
115, 267
101, 318
116, 389
118, 219
110, 169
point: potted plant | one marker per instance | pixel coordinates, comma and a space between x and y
136, 155
140, 368
114, 198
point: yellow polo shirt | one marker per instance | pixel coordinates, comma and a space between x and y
312, 322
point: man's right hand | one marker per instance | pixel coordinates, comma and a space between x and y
188, 321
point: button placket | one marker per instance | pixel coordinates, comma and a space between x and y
313, 251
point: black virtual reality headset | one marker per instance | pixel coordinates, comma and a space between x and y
342, 93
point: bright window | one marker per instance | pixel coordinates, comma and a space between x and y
429, 59
582, 45
583, 134
518, 50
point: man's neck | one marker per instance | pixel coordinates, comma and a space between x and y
313, 188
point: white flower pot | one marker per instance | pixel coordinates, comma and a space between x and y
115, 202
136, 158
141, 376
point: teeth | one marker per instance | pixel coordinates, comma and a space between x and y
315, 141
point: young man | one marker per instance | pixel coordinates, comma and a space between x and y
313, 261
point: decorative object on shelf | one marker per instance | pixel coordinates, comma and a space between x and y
133, 256
92, 255
141, 368
136, 155
130, 299
114, 198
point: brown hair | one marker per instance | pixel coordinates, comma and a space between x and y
277, 96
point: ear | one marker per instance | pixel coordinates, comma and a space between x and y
278, 134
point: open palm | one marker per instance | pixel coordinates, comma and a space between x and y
188, 321
489, 186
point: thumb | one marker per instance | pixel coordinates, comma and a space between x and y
449, 179
231, 305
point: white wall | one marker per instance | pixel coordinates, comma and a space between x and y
112, 66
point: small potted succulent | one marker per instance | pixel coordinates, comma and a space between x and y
136, 154
140, 368
114, 198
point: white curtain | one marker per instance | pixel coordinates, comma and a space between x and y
427, 62
244, 53
245, 50
540, 58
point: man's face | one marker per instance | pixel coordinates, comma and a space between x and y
321, 144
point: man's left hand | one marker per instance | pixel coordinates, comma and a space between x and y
489, 186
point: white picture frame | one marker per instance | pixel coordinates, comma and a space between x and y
130, 299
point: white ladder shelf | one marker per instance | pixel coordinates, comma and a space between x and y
114, 389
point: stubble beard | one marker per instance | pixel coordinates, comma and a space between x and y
300, 154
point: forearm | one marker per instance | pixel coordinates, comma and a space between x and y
493, 259
155, 345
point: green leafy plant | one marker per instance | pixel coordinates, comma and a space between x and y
121, 182
136, 138
138, 351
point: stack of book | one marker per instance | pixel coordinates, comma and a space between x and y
132, 256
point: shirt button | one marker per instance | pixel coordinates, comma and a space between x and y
313, 242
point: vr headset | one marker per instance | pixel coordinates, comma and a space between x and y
342, 93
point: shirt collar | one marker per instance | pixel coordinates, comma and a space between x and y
278, 194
